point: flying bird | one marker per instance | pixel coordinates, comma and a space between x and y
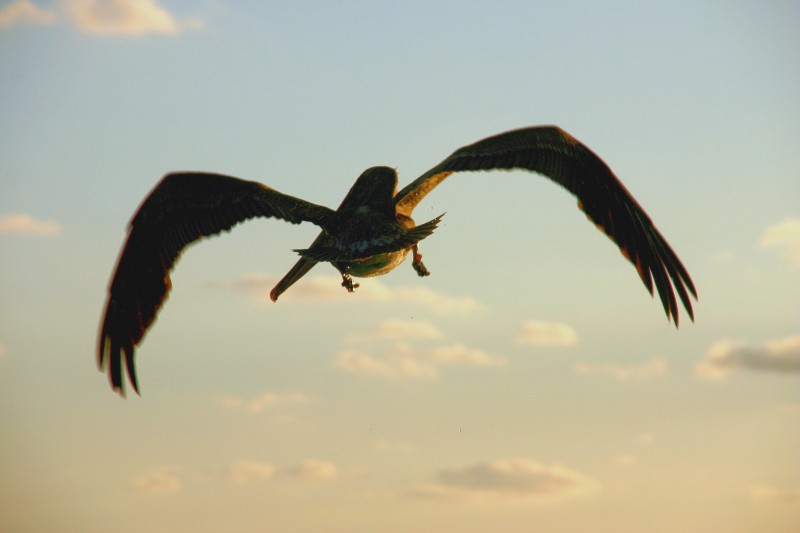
371, 232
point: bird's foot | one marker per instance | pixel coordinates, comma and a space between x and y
347, 283
419, 266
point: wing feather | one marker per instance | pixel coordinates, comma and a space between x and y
551, 151
181, 209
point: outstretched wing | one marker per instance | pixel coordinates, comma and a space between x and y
553, 152
180, 210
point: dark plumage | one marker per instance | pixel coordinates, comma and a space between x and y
369, 234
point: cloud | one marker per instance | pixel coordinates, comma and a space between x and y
21, 224
785, 237
461, 355
2, 350
160, 480
540, 333
264, 400
395, 366
385, 445
770, 494
314, 470
401, 360
655, 367
645, 439
516, 480
25, 12
246, 471
101, 17
725, 356
328, 289
399, 330
120, 17
625, 459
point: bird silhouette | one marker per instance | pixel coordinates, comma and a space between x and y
370, 233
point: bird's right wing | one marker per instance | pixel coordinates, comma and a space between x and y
181, 209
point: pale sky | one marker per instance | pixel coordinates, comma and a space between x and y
529, 384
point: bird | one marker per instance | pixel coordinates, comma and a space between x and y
370, 233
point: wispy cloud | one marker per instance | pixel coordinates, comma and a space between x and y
25, 12
655, 367
399, 330
159, 480
725, 356
245, 471
396, 365
516, 480
100, 17
314, 470
785, 238
771, 494
542, 333
625, 459
22, 224
324, 288
406, 356
263, 401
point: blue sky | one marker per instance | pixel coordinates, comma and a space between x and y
529, 383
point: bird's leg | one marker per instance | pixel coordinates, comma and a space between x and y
347, 282
417, 262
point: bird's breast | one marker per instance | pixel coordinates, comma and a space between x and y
376, 265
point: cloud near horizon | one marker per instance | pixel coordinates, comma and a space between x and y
263, 401
245, 471
402, 360
100, 17
653, 368
725, 356
517, 481
160, 480
785, 238
24, 224
770, 494
543, 333
314, 470
324, 288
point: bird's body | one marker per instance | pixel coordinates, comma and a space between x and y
371, 232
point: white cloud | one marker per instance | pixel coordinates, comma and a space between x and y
246, 471
264, 400
25, 12
385, 445
399, 330
162, 479
785, 237
625, 459
120, 17
21, 224
723, 357
325, 288
770, 494
395, 366
314, 470
516, 480
541, 333
655, 367
462, 355
402, 360
101, 17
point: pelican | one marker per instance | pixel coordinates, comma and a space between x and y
371, 232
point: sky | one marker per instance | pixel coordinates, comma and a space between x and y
529, 384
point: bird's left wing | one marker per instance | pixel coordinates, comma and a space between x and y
551, 151
181, 209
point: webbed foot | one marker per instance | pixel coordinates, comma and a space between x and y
347, 283
418, 265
